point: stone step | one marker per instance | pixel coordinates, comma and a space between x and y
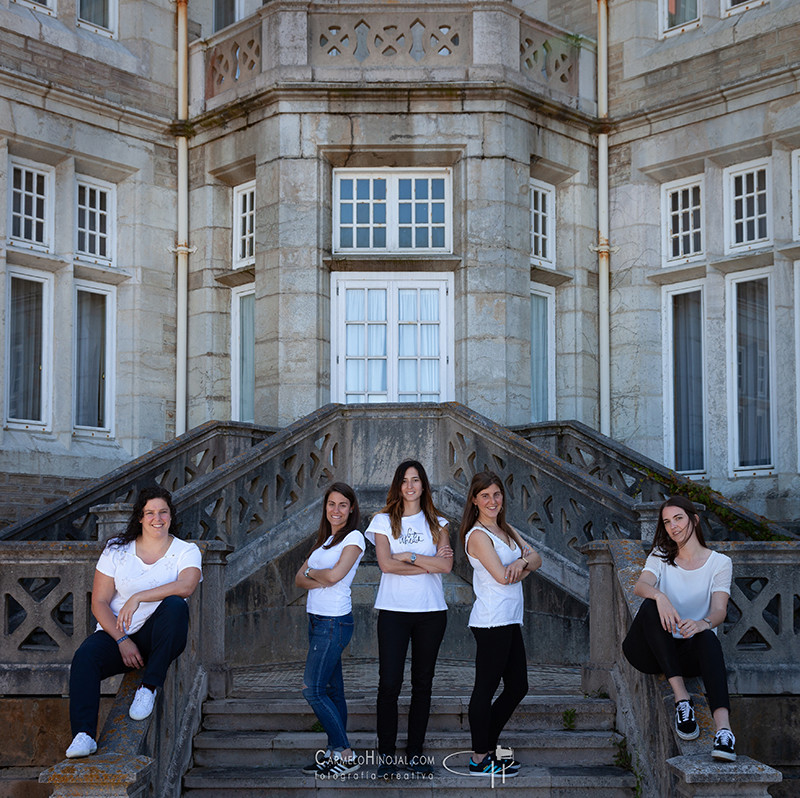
562, 781
447, 713
292, 748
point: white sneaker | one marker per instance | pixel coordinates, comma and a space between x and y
82, 745
142, 704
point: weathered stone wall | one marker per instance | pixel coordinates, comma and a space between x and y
21, 495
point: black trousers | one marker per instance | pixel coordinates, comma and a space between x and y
160, 640
500, 654
651, 649
425, 631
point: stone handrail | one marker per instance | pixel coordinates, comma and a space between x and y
172, 465
647, 481
645, 709
339, 41
132, 756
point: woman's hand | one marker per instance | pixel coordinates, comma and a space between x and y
131, 655
444, 551
670, 619
689, 627
125, 617
402, 556
514, 571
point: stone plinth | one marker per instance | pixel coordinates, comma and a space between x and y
699, 775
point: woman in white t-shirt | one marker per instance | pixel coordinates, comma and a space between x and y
685, 587
141, 584
500, 559
327, 575
413, 551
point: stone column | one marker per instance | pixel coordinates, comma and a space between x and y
112, 519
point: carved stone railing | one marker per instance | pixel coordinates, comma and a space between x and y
172, 465
761, 611
647, 481
45, 600
351, 43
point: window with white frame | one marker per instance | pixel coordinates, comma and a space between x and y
243, 349
392, 210
94, 357
30, 208
95, 216
736, 6
751, 369
678, 15
746, 190
684, 387
98, 15
796, 195
682, 220
543, 223
543, 352
28, 371
226, 12
46, 6
392, 337
244, 224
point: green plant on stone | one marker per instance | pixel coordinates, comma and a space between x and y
568, 718
317, 727
624, 760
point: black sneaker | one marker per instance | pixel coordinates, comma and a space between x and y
419, 765
387, 769
489, 766
685, 723
724, 742
320, 764
341, 767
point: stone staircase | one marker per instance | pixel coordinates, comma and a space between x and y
254, 742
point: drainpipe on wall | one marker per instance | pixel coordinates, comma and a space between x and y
182, 249
603, 248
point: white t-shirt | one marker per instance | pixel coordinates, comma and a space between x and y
408, 592
131, 575
495, 604
334, 600
690, 591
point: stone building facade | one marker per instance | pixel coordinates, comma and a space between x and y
399, 203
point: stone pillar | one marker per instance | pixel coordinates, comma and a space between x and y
212, 640
603, 642
112, 519
648, 518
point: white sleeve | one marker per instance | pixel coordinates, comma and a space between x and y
379, 525
721, 581
190, 557
107, 564
655, 565
354, 538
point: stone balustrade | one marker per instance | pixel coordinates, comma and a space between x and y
358, 43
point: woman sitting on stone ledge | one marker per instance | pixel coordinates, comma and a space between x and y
685, 587
141, 584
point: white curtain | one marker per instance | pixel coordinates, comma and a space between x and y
90, 360
25, 349
687, 381
96, 12
680, 12
752, 345
540, 347
247, 357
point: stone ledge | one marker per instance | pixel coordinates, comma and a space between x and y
699, 775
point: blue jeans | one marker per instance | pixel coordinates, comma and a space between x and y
323, 686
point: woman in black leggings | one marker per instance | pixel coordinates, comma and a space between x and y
685, 587
413, 552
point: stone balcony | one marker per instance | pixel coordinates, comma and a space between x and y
330, 46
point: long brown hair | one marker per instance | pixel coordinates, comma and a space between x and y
353, 520
481, 481
394, 500
134, 528
663, 545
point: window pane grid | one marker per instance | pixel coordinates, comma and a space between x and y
540, 210
94, 224
365, 345
244, 225
29, 205
684, 225
750, 207
391, 212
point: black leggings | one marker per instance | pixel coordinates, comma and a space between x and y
425, 631
651, 649
500, 655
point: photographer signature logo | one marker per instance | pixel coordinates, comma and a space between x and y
501, 754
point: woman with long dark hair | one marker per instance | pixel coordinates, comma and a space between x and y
141, 584
327, 575
413, 552
685, 587
500, 560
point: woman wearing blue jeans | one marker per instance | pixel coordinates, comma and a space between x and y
327, 575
